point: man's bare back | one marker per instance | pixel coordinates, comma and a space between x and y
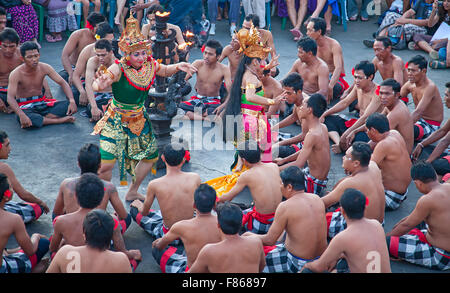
319, 160
175, 195
235, 254
306, 227
393, 159
400, 119
77, 42
233, 59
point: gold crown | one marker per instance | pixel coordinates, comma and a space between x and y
132, 39
250, 43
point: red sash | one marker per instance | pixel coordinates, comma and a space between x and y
350, 122
253, 214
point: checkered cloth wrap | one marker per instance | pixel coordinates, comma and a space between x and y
172, 259
393, 199
312, 184
336, 223
410, 29
28, 211
425, 129
414, 248
16, 263
152, 224
280, 260
255, 222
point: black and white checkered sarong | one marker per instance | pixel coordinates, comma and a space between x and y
16, 263
280, 260
172, 259
393, 199
28, 211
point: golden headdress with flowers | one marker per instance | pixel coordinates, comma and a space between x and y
132, 39
250, 43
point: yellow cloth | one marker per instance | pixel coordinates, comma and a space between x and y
225, 183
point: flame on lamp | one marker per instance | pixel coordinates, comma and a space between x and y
183, 46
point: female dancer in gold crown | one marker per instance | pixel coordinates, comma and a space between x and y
125, 130
247, 101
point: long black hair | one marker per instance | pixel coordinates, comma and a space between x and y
233, 107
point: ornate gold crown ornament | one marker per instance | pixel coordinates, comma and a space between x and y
132, 39
251, 45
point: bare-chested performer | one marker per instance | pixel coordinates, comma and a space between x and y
104, 31
25, 97
174, 193
231, 52
266, 35
24, 259
68, 228
235, 253
194, 233
98, 100
344, 130
397, 112
272, 89
10, 59
94, 255
210, 76
76, 43
430, 246
315, 151
363, 175
32, 207
89, 162
330, 51
292, 86
440, 156
362, 244
263, 180
313, 70
429, 111
392, 157
302, 217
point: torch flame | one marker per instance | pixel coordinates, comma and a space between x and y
183, 46
189, 34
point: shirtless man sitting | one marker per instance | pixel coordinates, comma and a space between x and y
440, 156
313, 70
315, 151
231, 52
263, 180
32, 207
292, 86
174, 193
387, 64
330, 51
429, 247
302, 217
235, 253
104, 31
210, 76
429, 111
397, 112
25, 258
343, 130
361, 242
89, 161
363, 175
68, 228
25, 97
76, 42
94, 255
194, 233
392, 157
103, 58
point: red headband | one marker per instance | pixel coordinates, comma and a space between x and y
377, 91
7, 194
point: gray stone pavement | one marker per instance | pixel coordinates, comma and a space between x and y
42, 158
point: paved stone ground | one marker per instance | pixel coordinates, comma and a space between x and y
42, 158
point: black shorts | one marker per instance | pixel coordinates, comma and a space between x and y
336, 123
37, 114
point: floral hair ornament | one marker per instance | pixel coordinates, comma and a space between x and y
89, 25
406, 65
203, 48
377, 91
97, 37
7, 194
353, 71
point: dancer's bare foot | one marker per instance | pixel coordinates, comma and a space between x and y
131, 196
336, 149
